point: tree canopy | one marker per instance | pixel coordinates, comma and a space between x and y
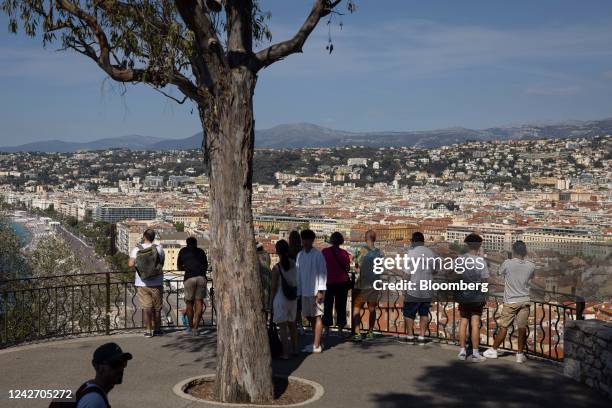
189, 44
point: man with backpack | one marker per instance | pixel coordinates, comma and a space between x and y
364, 292
109, 361
147, 261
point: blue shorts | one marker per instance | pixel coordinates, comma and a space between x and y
411, 309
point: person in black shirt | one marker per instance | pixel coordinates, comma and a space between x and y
192, 260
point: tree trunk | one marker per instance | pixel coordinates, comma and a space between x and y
244, 369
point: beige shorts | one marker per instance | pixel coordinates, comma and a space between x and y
310, 306
150, 297
361, 296
195, 288
515, 311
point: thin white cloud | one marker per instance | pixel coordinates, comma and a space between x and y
417, 47
404, 49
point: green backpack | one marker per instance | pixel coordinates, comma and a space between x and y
148, 262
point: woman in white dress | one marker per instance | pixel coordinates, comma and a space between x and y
284, 310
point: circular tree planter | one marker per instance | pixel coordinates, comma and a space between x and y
288, 391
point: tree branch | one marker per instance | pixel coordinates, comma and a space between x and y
197, 19
167, 95
120, 73
278, 51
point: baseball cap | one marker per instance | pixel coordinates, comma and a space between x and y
110, 353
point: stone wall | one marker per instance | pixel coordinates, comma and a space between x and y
587, 346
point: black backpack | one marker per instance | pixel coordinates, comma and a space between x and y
83, 390
289, 291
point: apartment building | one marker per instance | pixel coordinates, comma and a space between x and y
113, 213
129, 232
495, 237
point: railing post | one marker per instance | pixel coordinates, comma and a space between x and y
580, 306
107, 318
352, 305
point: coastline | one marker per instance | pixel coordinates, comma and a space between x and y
22, 232
30, 228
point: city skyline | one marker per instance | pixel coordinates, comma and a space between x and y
428, 66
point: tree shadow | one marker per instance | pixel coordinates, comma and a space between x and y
203, 347
284, 368
492, 384
205, 342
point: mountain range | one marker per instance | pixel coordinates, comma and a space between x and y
308, 135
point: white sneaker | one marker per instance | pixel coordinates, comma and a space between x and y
312, 349
521, 358
421, 341
490, 353
461, 355
476, 358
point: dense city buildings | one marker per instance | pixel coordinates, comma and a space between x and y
552, 194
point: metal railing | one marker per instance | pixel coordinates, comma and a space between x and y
32, 309
544, 333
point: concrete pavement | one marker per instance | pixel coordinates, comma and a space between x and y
382, 374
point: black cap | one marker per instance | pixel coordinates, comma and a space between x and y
110, 353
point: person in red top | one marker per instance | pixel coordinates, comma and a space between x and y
338, 263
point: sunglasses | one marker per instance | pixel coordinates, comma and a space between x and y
118, 364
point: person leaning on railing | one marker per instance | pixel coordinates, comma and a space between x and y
517, 272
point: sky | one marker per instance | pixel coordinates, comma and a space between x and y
396, 65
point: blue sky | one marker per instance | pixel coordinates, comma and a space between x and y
396, 65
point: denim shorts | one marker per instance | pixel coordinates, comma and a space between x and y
411, 309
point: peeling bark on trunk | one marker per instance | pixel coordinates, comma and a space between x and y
244, 370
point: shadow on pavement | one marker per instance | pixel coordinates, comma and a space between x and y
285, 368
492, 384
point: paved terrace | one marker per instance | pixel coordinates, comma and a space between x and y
383, 374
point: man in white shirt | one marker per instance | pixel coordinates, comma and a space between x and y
312, 283
149, 291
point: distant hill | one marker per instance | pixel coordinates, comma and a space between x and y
134, 142
309, 135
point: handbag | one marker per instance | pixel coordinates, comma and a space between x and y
289, 291
276, 346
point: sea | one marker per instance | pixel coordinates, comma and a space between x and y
21, 232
